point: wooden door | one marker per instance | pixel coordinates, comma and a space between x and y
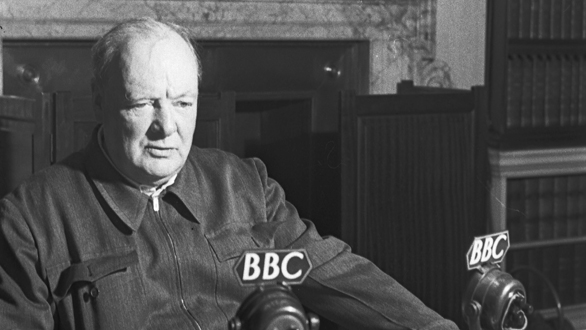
24, 138
215, 121
277, 128
410, 180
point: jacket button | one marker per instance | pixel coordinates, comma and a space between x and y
94, 292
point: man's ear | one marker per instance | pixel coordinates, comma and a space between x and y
97, 98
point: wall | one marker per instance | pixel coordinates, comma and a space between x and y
401, 32
461, 29
1, 80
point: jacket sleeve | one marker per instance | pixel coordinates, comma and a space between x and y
344, 287
24, 296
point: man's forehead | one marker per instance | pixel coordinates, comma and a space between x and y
144, 50
143, 60
147, 46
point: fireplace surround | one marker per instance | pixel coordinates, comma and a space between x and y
401, 33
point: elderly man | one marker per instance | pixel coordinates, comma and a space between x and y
140, 230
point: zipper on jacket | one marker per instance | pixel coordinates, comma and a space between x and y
176, 258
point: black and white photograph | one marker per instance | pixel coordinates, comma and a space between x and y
293, 164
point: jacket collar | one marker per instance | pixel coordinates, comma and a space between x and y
203, 188
186, 189
121, 195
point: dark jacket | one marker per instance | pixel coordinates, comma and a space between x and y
82, 249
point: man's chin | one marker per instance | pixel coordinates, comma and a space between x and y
162, 172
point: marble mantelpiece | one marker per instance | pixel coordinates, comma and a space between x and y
401, 32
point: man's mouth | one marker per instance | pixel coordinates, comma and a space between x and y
159, 152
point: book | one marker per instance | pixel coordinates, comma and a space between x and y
553, 89
531, 208
513, 11
582, 206
573, 207
549, 267
559, 217
565, 90
545, 19
514, 214
534, 20
514, 87
566, 18
579, 273
545, 207
578, 18
533, 284
581, 88
539, 81
565, 273
556, 19
574, 90
525, 19
527, 92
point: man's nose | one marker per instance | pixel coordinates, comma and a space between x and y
164, 122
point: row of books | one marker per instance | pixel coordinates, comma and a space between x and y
546, 19
542, 208
546, 90
564, 266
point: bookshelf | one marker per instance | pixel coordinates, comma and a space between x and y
536, 73
536, 81
539, 195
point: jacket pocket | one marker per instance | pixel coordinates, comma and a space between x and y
232, 239
228, 245
100, 293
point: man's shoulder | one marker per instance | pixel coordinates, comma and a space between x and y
220, 160
52, 179
215, 165
72, 165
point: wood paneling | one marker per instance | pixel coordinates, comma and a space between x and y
412, 182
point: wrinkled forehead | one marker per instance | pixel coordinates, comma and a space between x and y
158, 49
148, 51
146, 62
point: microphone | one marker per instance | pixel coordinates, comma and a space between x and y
273, 305
493, 300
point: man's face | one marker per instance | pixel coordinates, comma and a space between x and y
148, 107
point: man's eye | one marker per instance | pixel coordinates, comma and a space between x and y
183, 104
140, 105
